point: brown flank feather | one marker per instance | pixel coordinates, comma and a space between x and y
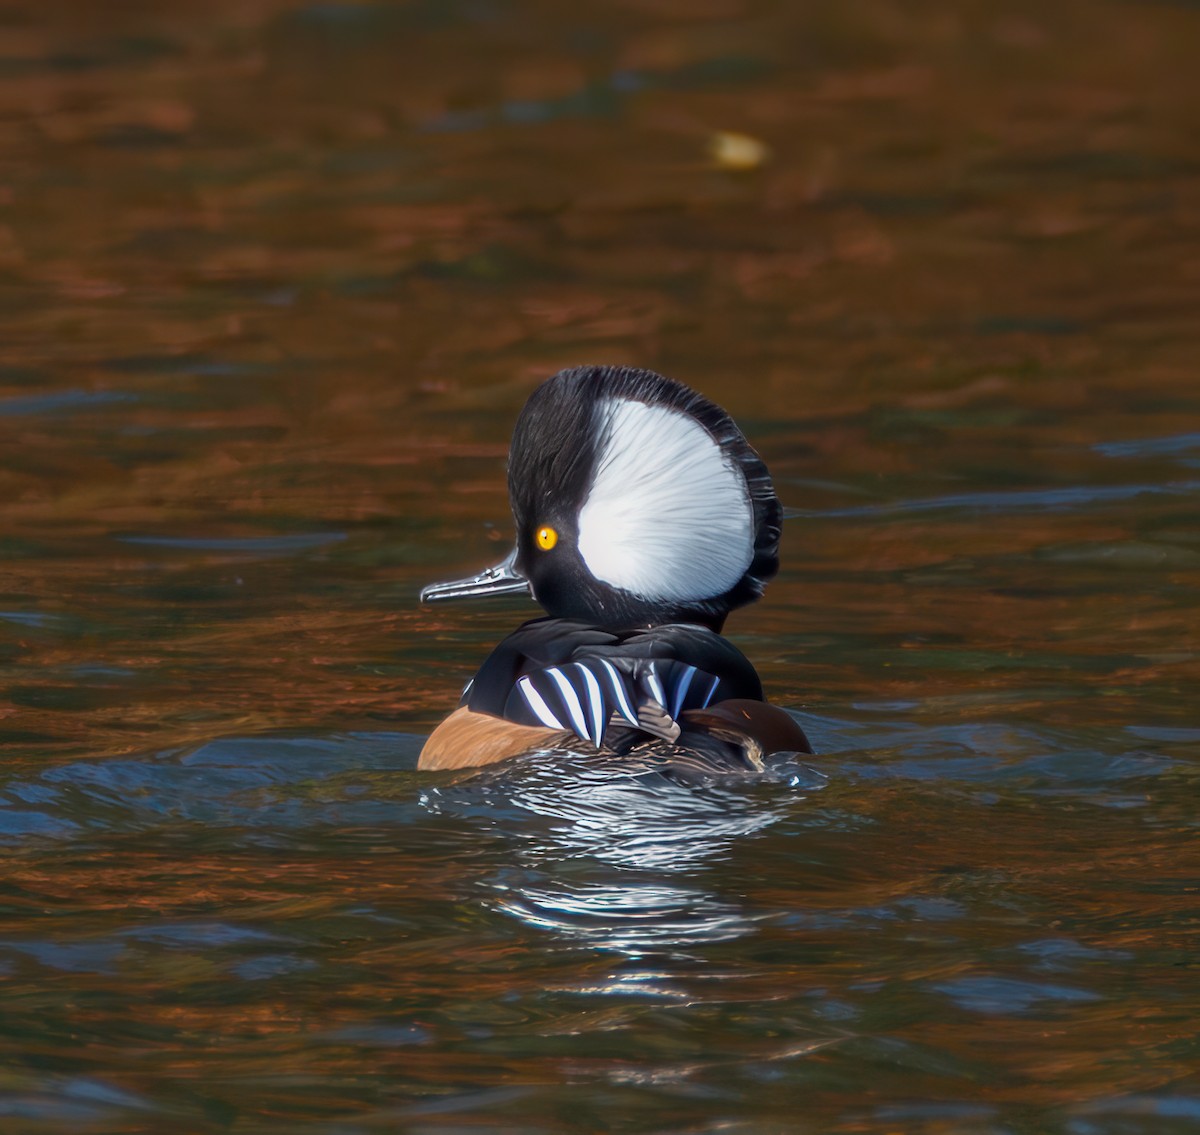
766, 726
466, 739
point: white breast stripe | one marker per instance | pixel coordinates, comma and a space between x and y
656, 686
570, 699
711, 690
681, 689
595, 704
537, 703
618, 687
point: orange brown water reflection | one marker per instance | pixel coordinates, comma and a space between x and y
275, 279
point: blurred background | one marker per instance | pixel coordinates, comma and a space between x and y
276, 278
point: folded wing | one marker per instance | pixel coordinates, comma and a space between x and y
585, 697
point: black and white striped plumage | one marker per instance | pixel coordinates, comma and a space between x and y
565, 675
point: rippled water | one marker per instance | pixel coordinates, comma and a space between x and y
275, 279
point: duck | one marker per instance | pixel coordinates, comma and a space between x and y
643, 518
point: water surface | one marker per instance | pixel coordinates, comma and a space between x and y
275, 280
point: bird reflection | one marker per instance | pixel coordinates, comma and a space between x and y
613, 854
631, 919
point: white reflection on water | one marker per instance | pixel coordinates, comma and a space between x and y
632, 919
613, 855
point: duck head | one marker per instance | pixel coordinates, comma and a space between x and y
637, 502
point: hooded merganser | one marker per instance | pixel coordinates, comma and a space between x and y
643, 518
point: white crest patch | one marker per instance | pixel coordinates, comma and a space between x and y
668, 515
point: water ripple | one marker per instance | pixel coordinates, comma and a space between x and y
1015, 501
61, 401
249, 545
1168, 446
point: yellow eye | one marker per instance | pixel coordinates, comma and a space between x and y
546, 538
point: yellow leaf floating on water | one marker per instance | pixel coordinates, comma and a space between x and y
731, 150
